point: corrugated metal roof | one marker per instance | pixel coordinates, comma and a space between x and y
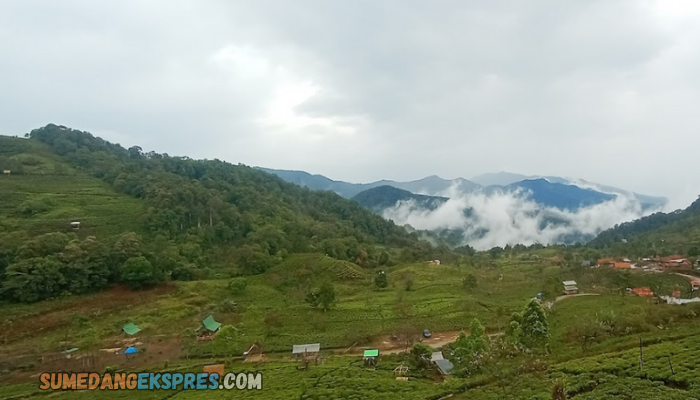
306, 348
569, 283
445, 366
437, 355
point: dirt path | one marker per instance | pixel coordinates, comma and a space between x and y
566, 296
388, 346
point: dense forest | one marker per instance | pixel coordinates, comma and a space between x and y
660, 233
200, 217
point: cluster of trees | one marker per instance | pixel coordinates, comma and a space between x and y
527, 333
56, 264
234, 205
322, 297
660, 233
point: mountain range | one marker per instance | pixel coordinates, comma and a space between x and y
548, 191
493, 209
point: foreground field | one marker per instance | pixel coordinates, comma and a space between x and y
271, 311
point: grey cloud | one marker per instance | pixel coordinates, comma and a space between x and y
404, 89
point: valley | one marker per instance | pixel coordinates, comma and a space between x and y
167, 243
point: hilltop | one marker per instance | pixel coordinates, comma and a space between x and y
380, 198
168, 216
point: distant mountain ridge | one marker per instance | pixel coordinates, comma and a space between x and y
509, 178
431, 185
380, 198
520, 209
551, 191
559, 195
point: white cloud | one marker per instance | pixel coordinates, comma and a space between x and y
511, 218
604, 90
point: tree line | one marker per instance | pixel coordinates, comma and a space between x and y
200, 216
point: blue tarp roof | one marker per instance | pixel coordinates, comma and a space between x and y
131, 350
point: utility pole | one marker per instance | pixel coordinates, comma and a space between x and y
671, 366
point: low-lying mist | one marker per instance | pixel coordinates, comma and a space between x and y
502, 218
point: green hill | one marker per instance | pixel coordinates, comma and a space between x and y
659, 233
380, 198
168, 216
44, 194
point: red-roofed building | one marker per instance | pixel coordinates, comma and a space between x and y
605, 261
622, 265
643, 292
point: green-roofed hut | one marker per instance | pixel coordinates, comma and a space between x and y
370, 357
208, 328
210, 324
131, 329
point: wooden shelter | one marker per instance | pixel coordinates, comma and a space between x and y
208, 328
306, 353
570, 287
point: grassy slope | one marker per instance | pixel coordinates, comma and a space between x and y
67, 193
273, 311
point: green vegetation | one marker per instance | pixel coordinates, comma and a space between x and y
661, 234
272, 311
166, 243
190, 219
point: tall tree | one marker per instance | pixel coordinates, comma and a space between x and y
530, 328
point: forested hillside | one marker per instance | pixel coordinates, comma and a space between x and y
382, 197
660, 233
148, 216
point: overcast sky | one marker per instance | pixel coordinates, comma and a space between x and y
604, 90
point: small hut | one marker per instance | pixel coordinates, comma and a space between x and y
444, 366
570, 287
131, 329
437, 355
370, 357
75, 225
306, 353
6, 172
209, 327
